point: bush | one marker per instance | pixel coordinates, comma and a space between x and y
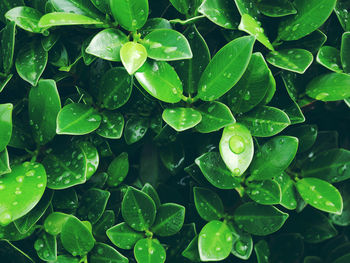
136, 131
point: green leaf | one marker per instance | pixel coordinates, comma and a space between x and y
26, 222
49, 41
118, 169
262, 251
66, 168
5, 124
258, 219
102, 5
215, 115
77, 119
7, 5
21, 190
65, 199
46, 247
345, 52
242, 242
191, 251
329, 57
133, 55
222, 12
107, 44
267, 192
155, 23
276, 8
173, 156
160, 80
93, 204
135, 129
76, 238
169, 220
106, 221
295, 59
253, 27
10, 233
112, 125
149, 189
288, 191
344, 218
248, 7
25, 17
329, 87
66, 19
123, 236
320, 194
149, 251
236, 148
181, 119
214, 241
181, 5
306, 135
8, 45
310, 16
131, 15
208, 204
43, 106
273, 157
103, 253
265, 121
4, 162
115, 88
190, 70
250, 90
82, 7
54, 222
91, 154
5, 81
138, 209
31, 62
216, 172
226, 68
167, 44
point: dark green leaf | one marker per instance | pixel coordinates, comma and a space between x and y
46, 247
288, 191
262, 251
345, 52
103, 253
8, 45
169, 220
118, 169
82, 7
135, 129
208, 204
4, 162
124, 236
267, 192
5, 124
276, 8
329, 57
112, 125
181, 119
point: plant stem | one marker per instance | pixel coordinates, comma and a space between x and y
188, 21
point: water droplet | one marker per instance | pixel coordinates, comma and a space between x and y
321, 96
5, 218
19, 179
236, 144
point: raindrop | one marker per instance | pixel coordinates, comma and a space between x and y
236, 144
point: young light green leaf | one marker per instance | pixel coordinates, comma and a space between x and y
169, 220
93, 204
222, 12
253, 27
208, 204
133, 56
25, 17
5, 124
8, 45
216, 172
310, 16
76, 238
149, 251
345, 52
181, 119
265, 121
54, 222
149, 189
21, 190
31, 62
276, 8
160, 80
66, 169
138, 209
43, 106
288, 191
221, 74
46, 247
131, 15
112, 125
167, 44
65, 19
236, 148
267, 192
4, 162
258, 219
330, 165
77, 119
124, 236
273, 157
215, 115
215, 241
107, 44
118, 169
115, 88
103, 253
295, 60
329, 57
329, 87
320, 194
